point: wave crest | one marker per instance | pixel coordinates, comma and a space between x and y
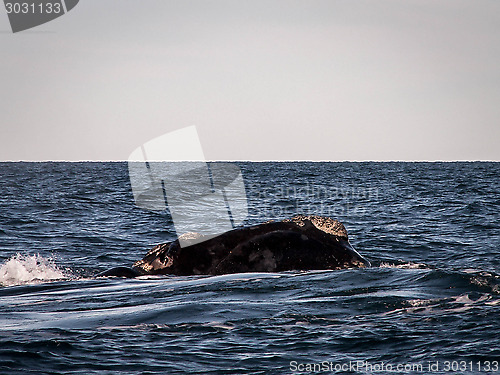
25, 269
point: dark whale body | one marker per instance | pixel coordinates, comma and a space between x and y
299, 243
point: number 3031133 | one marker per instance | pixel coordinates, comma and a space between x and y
25, 8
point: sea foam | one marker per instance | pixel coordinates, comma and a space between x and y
27, 269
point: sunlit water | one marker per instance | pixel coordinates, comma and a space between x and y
431, 231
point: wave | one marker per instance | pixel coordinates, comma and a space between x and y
27, 269
407, 266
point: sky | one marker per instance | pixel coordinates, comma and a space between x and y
261, 80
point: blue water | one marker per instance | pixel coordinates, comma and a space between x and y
431, 231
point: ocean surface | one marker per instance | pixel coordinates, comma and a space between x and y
430, 303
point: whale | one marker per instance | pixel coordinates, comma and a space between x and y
296, 244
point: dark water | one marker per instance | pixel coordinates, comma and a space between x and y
431, 231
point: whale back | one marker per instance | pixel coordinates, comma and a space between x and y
299, 243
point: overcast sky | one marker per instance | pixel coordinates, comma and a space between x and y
261, 80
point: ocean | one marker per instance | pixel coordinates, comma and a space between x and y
430, 303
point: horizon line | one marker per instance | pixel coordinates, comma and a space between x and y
257, 161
